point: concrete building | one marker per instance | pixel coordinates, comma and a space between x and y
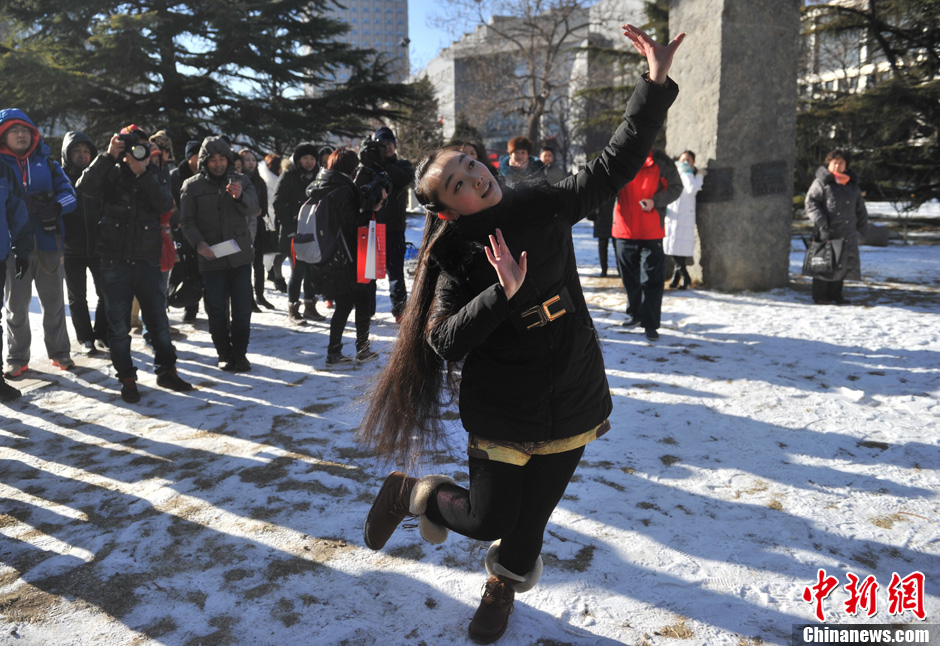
473, 78
381, 25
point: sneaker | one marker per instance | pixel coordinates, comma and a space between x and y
15, 370
491, 618
651, 334
7, 392
129, 392
89, 349
241, 365
631, 321
390, 507
170, 379
65, 363
334, 358
102, 345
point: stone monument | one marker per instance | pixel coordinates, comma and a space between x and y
737, 76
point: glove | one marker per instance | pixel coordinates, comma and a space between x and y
824, 234
22, 265
44, 207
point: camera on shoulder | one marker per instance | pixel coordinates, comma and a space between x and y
133, 146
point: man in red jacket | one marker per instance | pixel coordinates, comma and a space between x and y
638, 239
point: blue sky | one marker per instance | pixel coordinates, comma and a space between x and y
426, 41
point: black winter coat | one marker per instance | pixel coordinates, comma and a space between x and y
81, 225
395, 212
337, 276
545, 383
131, 206
289, 195
841, 209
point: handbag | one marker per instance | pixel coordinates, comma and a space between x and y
370, 252
822, 257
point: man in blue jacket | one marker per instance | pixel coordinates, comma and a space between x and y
14, 236
48, 195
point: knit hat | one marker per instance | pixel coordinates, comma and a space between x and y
163, 142
192, 148
385, 134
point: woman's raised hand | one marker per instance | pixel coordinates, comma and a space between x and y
658, 56
511, 274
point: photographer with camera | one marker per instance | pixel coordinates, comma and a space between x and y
133, 195
394, 215
48, 195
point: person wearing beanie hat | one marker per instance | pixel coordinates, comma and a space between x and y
394, 215
289, 196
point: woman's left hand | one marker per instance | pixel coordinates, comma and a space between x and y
511, 274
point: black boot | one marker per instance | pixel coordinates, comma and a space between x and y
686, 279
676, 277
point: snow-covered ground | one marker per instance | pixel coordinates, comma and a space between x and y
761, 439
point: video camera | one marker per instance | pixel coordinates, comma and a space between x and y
371, 178
133, 146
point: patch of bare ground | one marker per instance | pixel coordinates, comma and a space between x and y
676, 631
580, 563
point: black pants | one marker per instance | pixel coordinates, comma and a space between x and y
395, 270
642, 277
363, 299
507, 502
827, 291
602, 245
76, 285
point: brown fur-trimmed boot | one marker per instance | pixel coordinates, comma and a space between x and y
499, 592
401, 496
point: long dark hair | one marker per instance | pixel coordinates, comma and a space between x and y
403, 415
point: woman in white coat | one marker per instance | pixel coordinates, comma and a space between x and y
680, 220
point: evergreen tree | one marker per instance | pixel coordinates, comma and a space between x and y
419, 127
890, 127
258, 71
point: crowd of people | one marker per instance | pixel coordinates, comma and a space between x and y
150, 233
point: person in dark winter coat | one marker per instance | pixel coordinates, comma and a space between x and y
133, 195
835, 205
221, 206
250, 165
15, 240
49, 196
188, 267
603, 219
289, 196
338, 275
519, 165
638, 234
81, 236
395, 215
497, 289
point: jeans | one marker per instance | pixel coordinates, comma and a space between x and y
301, 274
395, 270
224, 286
76, 285
642, 277
120, 282
509, 502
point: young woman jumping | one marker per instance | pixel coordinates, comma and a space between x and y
497, 289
